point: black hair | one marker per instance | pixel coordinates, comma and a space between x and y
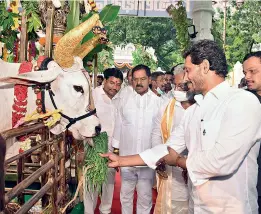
44, 63
156, 74
173, 68
169, 73
100, 76
113, 72
208, 50
253, 54
142, 67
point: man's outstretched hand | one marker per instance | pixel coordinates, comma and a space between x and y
114, 160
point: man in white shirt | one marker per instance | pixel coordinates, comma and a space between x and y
221, 132
174, 191
169, 79
158, 83
252, 72
127, 89
105, 97
170, 94
132, 135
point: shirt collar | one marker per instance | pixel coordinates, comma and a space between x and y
148, 93
102, 92
219, 92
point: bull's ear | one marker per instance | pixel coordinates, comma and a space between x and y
33, 78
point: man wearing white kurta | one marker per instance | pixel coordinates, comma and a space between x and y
132, 135
105, 99
221, 132
179, 189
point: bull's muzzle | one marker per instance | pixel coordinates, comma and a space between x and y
98, 129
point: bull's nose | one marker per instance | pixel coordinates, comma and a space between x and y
98, 129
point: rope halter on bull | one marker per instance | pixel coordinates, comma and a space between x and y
66, 49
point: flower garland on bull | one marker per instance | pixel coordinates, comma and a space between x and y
99, 37
67, 57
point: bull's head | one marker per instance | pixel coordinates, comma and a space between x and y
68, 80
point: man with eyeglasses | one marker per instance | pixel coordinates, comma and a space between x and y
222, 134
172, 181
132, 135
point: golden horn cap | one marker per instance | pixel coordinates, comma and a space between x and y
64, 50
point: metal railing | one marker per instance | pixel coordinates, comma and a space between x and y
51, 171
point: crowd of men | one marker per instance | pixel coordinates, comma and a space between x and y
199, 135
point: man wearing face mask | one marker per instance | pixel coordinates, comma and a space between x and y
222, 134
173, 192
158, 84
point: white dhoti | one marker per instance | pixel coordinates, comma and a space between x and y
142, 180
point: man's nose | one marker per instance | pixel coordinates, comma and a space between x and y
186, 77
139, 81
247, 76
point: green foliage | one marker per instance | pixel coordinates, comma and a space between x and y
97, 174
155, 32
141, 56
180, 21
7, 35
109, 13
105, 59
33, 18
243, 26
216, 31
73, 18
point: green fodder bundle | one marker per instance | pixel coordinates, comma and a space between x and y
97, 174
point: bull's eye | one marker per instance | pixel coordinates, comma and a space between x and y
78, 88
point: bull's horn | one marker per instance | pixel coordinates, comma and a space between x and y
87, 47
64, 50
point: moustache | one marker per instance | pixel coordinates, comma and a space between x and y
140, 86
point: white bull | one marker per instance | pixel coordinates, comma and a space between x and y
68, 80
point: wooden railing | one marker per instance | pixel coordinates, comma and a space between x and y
51, 171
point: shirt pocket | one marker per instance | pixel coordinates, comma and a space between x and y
128, 116
209, 133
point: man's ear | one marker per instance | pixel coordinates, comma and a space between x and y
150, 81
104, 81
205, 65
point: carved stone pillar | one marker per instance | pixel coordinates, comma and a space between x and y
202, 13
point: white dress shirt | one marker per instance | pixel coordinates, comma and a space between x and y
170, 94
221, 132
126, 91
179, 188
132, 133
106, 110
